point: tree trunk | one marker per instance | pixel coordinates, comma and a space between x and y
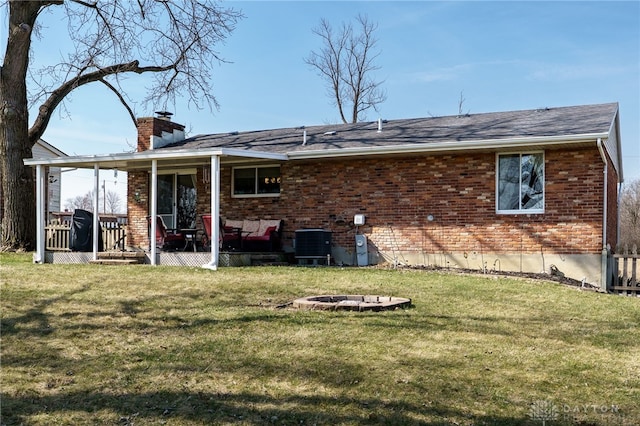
18, 224
18, 190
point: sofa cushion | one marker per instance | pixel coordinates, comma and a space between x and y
263, 228
250, 227
233, 223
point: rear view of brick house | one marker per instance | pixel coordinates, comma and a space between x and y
525, 191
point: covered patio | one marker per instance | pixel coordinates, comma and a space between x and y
152, 162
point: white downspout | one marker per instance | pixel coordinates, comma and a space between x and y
618, 212
605, 201
215, 213
605, 251
96, 200
40, 202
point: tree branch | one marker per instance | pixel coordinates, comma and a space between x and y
179, 36
46, 109
122, 100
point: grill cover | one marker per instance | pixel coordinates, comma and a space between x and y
81, 234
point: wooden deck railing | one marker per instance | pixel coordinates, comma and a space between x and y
57, 233
57, 236
627, 272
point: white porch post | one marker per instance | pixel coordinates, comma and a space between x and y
215, 213
40, 219
96, 200
154, 211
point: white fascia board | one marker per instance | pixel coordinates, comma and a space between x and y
105, 159
453, 146
254, 154
81, 160
436, 147
615, 129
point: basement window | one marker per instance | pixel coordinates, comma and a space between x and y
263, 181
520, 183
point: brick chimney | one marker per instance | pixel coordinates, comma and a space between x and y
156, 132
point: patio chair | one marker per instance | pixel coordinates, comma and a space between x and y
230, 238
167, 239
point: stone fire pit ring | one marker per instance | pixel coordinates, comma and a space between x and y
355, 302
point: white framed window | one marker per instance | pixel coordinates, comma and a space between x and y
255, 181
520, 183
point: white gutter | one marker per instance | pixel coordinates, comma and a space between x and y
605, 201
185, 154
447, 146
604, 264
174, 154
618, 211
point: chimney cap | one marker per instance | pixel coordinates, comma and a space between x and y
166, 115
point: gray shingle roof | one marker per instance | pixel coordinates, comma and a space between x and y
545, 122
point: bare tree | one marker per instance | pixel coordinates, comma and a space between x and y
346, 63
108, 202
630, 214
461, 102
84, 202
172, 41
113, 202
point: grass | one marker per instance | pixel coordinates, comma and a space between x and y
141, 345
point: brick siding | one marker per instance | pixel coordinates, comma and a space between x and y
397, 195
137, 211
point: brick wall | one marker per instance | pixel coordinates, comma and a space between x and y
138, 210
397, 196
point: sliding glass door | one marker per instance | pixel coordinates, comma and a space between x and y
177, 200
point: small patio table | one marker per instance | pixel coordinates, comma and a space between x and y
190, 238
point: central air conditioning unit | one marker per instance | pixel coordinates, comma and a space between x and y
312, 243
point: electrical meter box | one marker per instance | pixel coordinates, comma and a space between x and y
362, 256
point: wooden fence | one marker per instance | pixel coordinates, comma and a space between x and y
58, 234
626, 265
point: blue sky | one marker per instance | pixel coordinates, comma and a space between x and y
500, 55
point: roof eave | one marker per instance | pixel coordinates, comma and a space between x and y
146, 156
615, 129
437, 147
450, 146
46, 145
